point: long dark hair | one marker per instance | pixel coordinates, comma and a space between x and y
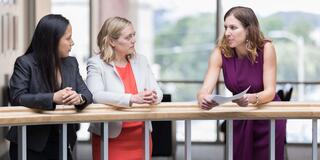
44, 46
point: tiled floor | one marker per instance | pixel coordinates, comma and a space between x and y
199, 152
202, 151
207, 151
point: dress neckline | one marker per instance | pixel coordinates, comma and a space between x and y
122, 67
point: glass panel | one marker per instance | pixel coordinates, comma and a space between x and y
184, 36
181, 91
201, 130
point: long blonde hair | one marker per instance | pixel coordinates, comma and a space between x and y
110, 30
255, 39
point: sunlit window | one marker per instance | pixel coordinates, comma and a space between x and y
183, 35
178, 36
77, 11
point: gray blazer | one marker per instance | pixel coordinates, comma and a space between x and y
106, 87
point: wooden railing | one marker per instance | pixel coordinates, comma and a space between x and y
22, 116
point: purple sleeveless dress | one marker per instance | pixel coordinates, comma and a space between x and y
251, 137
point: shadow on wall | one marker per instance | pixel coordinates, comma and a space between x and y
5, 91
4, 144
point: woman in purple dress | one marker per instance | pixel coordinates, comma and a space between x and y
246, 59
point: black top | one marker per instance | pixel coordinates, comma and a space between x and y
27, 88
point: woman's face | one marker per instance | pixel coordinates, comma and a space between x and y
124, 45
234, 32
65, 43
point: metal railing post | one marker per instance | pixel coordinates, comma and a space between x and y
63, 155
22, 142
104, 141
314, 139
272, 139
146, 140
229, 142
187, 149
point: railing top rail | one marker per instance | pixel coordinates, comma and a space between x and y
222, 82
163, 111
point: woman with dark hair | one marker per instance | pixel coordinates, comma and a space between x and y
46, 76
246, 59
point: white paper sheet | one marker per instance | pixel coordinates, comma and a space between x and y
223, 99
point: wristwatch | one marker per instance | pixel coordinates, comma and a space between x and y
81, 100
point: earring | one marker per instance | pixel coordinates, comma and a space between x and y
248, 44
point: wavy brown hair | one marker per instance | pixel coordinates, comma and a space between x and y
254, 40
110, 30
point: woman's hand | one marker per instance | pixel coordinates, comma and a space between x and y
71, 97
145, 97
243, 101
58, 96
205, 102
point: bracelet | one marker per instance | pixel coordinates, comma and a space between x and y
257, 99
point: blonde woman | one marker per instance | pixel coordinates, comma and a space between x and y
118, 76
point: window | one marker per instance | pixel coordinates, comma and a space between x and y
78, 13
183, 35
